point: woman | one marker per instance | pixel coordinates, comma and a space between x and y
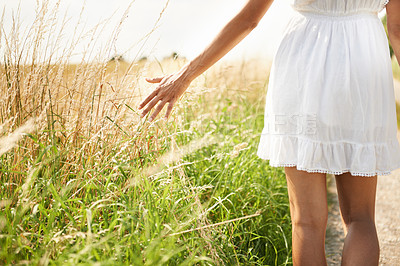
330, 109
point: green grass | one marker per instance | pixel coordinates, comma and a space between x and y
119, 210
215, 204
396, 68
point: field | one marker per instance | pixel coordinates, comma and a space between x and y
91, 182
84, 180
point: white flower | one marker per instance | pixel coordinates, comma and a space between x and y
234, 154
237, 149
240, 146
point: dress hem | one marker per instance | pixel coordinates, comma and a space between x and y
380, 173
363, 159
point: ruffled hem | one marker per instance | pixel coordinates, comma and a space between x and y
332, 157
328, 171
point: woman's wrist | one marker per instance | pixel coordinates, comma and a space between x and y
189, 72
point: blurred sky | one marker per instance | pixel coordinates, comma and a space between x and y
186, 26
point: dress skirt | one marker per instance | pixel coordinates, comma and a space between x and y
330, 104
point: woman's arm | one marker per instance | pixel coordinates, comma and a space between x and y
234, 32
393, 25
171, 87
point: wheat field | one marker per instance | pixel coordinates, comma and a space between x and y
84, 180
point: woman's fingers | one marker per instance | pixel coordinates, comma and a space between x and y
151, 96
150, 106
168, 91
154, 80
169, 109
157, 111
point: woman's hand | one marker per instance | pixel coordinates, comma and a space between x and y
169, 90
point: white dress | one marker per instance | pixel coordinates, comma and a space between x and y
330, 105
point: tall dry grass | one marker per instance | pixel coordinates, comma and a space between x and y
85, 180
85, 106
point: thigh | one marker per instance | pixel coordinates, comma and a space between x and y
356, 197
307, 196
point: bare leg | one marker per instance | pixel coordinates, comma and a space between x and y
309, 215
357, 207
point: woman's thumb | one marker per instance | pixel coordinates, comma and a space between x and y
154, 80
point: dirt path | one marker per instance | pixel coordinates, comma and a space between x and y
334, 232
387, 216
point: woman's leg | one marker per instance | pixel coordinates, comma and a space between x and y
357, 207
309, 215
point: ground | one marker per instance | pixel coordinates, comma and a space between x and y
387, 216
334, 234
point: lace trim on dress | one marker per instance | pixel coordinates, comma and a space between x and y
329, 172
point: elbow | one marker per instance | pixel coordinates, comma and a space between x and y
251, 24
253, 12
250, 20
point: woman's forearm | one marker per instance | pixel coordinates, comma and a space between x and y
394, 37
393, 25
235, 31
171, 87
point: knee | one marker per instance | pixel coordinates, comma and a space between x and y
363, 218
314, 221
